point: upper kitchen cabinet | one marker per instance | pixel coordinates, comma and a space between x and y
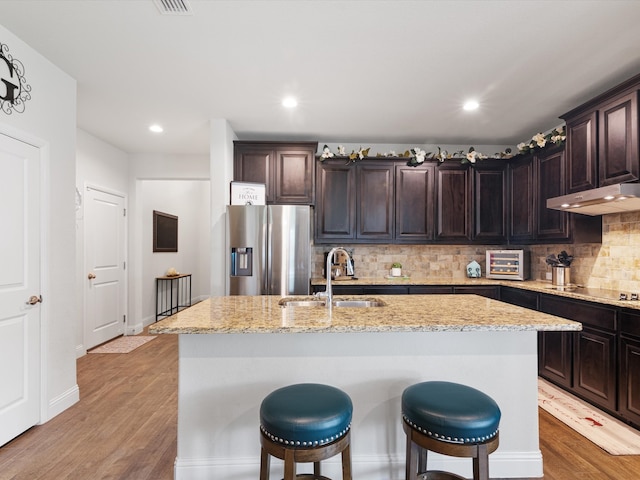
285, 168
532, 179
453, 203
335, 201
582, 152
550, 165
490, 201
415, 203
355, 202
602, 139
521, 185
618, 140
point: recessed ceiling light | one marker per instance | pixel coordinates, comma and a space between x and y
470, 105
155, 128
290, 102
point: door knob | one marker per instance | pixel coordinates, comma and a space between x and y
91, 276
33, 299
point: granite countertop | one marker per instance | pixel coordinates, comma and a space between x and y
597, 295
402, 313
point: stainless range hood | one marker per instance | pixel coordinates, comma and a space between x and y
623, 197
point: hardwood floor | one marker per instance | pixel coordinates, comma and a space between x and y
124, 428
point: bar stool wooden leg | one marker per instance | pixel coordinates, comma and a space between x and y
346, 463
316, 469
265, 463
289, 465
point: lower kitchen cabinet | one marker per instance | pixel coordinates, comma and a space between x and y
629, 382
555, 359
594, 350
430, 289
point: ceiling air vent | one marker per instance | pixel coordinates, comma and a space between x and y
174, 7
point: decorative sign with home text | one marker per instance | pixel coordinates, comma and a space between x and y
244, 193
14, 89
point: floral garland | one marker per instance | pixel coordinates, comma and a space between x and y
557, 136
416, 156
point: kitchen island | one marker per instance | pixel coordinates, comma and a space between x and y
233, 351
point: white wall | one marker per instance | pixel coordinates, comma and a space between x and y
98, 164
221, 158
144, 168
189, 200
49, 122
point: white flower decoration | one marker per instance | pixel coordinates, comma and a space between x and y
341, 150
539, 140
326, 152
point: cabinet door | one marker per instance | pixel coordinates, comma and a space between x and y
629, 367
453, 204
551, 170
294, 176
490, 187
618, 140
582, 151
414, 203
521, 197
335, 201
254, 163
629, 398
375, 202
555, 357
594, 375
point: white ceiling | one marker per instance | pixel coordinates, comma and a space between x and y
393, 72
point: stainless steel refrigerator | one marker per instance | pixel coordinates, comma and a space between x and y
268, 249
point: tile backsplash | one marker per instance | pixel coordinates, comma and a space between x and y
614, 264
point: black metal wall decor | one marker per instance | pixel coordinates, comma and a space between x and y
14, 89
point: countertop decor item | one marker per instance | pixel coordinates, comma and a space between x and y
396, 269
474, 270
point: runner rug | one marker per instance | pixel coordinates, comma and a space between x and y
602, 429
124, 344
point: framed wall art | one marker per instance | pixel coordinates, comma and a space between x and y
165, 232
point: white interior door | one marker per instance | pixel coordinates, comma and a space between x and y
19, 280
105, 304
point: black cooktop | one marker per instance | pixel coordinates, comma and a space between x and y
598, 292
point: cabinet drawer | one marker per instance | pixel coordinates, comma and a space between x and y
427, 289
488, 291
386, 290
630, 323
519, 297
584, 312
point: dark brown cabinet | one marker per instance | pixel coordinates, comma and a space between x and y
489, 291
489, 201
550, 168
415, 203
453, 203
335, 201
555, 357
593, 350
618, 140
582, 153
286, 169
355, 203
521, 185
629, 383
375, 202
602, 139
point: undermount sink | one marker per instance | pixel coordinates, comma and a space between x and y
358, 303
302, 303
338, 303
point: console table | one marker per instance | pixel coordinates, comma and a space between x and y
172, 294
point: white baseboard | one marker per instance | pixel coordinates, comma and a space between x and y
60, 403
501, 465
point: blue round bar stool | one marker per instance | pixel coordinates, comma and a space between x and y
305, 423
450, 419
